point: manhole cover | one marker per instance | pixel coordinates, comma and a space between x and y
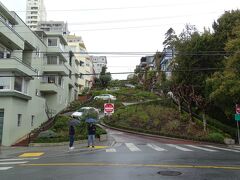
169, 173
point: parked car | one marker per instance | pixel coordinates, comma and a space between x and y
129, 85
84, 110
105, 97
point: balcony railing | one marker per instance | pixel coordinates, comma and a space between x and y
11, 28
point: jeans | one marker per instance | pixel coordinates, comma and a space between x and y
91, 139
71, 140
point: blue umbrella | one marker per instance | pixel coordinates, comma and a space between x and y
91, 120
73, 122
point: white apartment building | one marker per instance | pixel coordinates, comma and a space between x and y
38, 78
53, 26
98, 63
35, 12
85, 63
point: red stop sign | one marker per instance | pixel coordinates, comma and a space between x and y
237, 108
108, 108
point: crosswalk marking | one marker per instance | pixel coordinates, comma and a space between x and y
205, 149
153, 146
210, 148
225, 149
13, 161
18, 159
5, 168
5, 163
179, 147
111, 150
132, 147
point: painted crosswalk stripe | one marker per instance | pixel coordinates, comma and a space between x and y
205, 149
132, 147
179, 147
5, 163
5, 168
18, 159
111, 150
225, 149
157, 148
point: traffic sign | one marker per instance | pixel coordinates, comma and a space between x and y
237, 108
109, 108
237, 117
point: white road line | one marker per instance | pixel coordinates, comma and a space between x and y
18, 159
5, 163
132, 147
111, 150
153, 146
225, 149
179, 147
117, 144
205, 149
5, 168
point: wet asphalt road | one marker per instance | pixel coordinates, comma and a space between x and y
136, 158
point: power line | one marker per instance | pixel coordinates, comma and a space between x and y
136, 19
131, 72
200, 53
116, 8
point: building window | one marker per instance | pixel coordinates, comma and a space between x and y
52, 60
52, 42
18, 84
19, 120
1, 55
60, 81
38, 93
81, 63
4, 83
51, 79
32, 120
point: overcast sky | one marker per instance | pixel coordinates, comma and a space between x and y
128, 25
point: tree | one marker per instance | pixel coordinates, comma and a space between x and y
170, 38
224, 87
105, 77
202, 103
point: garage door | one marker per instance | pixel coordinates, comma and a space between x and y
1, 124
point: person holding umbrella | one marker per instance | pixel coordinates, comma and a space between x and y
72, 122
91, 131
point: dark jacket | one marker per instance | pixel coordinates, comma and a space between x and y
71, 130
91, 129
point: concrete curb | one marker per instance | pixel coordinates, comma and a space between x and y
156, 136
58, 144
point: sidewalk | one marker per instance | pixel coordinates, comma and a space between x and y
53, 149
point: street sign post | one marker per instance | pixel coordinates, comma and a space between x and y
237, 118
109, 108
237, 108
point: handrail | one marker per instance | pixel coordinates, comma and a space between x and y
20, 61
11, 28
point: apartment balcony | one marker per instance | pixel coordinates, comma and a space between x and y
9, 37
56, 50
49, 88
15, 94
16, 65
56, 68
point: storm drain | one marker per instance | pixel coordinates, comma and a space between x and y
169, 173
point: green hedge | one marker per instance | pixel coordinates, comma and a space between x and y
62, 129
214, 137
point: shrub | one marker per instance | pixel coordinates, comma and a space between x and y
61, 123
216, 137
171, 126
